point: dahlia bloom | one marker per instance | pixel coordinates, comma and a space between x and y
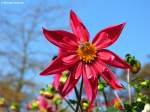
84, 58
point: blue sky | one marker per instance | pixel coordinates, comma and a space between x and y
97, 14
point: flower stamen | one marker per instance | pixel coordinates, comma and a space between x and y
87, 52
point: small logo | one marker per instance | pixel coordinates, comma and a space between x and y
11, 2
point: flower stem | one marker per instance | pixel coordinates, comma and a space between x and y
70, 104
105, 98
104, 94
129, 87
117, 96
78, 96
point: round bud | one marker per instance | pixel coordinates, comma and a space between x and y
2, 102
85, 104
48, 95
101, 87
57, 99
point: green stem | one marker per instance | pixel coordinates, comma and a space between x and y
105, 98
70, 104
104, 94
78, 96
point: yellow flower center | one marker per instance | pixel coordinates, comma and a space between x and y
87, 52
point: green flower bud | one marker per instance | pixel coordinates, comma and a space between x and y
35, 104
85, 104
42, 91
145, 83
136, 67
101, 87
14, 106
134, 63
64, 77
50, 88
48, 95
2, 102
57, 99
139, 99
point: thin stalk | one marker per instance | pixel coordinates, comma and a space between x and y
7, 108
78, 96
68, 102
117, 96
129, 86
105, 98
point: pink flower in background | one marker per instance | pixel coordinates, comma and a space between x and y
43, 104
84, 58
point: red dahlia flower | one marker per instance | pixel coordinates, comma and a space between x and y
82, 57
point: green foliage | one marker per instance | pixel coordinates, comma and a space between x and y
134, 107
140, 98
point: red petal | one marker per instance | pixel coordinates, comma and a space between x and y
111, 79
98, 66
62, 39
71, 81
57, 66
56, 82
70, 59
107, 36
107, 75
78, 28
78, 70
90, 85
112, 59
90, 71
65, 52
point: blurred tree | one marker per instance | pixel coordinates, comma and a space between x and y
20, 53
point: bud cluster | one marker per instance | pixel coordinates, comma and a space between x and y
134, 63
48, 92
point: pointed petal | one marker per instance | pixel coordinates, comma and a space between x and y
56, 82
107, 75
70, 84
71, 81
62, 39
70, 59
90, 86
111, 79
112, 59
107, 36
65, 52
78, 70
98, 66
89, 71
56, 66
78, 28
